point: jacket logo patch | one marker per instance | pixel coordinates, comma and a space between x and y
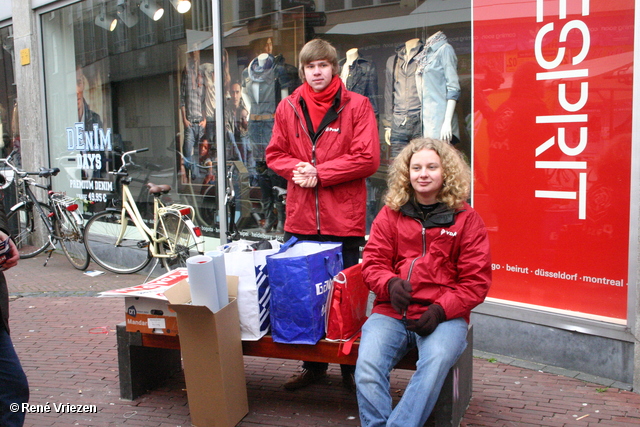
450, 233
330, 129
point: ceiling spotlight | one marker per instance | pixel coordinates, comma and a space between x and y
182, 6
127, 17
105, 21
151, 9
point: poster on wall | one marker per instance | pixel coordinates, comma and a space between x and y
552, 122
89, 139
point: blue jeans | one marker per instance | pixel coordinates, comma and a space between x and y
192, 136
403, 130
260, 135
14, 388
384, 342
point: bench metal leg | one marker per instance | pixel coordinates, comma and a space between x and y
142, 368
456, 391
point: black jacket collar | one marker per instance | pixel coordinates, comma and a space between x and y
441, 216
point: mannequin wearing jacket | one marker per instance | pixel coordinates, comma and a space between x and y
360, 76
262, 91
403, 96
438, 65
428, 262
14, 387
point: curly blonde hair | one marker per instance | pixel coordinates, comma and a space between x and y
456, 174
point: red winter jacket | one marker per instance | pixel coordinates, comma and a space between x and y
446, 264
345, 153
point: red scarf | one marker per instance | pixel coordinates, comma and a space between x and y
318, 103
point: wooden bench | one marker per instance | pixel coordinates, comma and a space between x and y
145, 361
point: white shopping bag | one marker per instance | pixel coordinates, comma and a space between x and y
254, 294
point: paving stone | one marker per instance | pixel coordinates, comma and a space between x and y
55, 314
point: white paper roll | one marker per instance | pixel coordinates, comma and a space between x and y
201, 278
220, 275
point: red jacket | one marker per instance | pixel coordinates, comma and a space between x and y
446, 264
345, 153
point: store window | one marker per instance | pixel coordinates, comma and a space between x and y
9, 124
552, 136
372, 39
123, 75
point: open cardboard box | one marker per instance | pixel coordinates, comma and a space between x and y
212, 357
146, 307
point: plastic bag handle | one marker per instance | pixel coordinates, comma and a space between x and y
292, 241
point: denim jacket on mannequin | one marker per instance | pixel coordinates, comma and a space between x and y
363, 79
438, 65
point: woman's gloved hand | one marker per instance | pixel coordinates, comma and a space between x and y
428, 322
399, 294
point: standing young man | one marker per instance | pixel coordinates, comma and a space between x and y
325, 143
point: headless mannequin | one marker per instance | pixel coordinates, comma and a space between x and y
352, 55
408, 45
262, 58
446, 132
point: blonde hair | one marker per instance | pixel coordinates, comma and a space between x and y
318, 50
456, 174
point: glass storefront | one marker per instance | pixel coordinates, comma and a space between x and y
9, 125
552, 97
118, 79
552, 136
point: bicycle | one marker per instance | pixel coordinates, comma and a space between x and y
58, 218
119, 239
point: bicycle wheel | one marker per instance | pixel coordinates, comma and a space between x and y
180, 243
23, 223
100, 236
70, 236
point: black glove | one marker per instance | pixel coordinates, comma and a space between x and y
428, 322
399, 294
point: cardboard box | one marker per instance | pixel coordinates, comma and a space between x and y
212, 358
147, 308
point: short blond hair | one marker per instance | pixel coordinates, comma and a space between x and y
456, 174
317, 50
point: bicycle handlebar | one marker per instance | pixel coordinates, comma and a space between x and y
43, 172
122, 171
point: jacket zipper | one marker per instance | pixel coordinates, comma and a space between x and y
313, 156
424, 252
424, 248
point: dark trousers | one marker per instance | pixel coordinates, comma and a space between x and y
350, 257
14, 388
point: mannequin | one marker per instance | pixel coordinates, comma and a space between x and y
403, 96
360, 76
264, 85
255, 89
352, 55
437, 64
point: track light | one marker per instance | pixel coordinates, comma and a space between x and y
151, 9
182, 6
127, 16
104, 21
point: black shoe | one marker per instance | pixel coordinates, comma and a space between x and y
349, 382
306, 378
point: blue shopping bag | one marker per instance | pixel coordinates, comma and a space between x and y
300, 277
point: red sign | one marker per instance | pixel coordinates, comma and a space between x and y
552, 149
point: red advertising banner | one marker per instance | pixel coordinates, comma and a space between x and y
552, 149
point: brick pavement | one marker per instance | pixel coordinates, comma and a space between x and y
67, 345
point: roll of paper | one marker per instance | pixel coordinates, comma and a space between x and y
202, 282
220, 275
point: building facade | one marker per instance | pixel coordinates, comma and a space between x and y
544, 112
